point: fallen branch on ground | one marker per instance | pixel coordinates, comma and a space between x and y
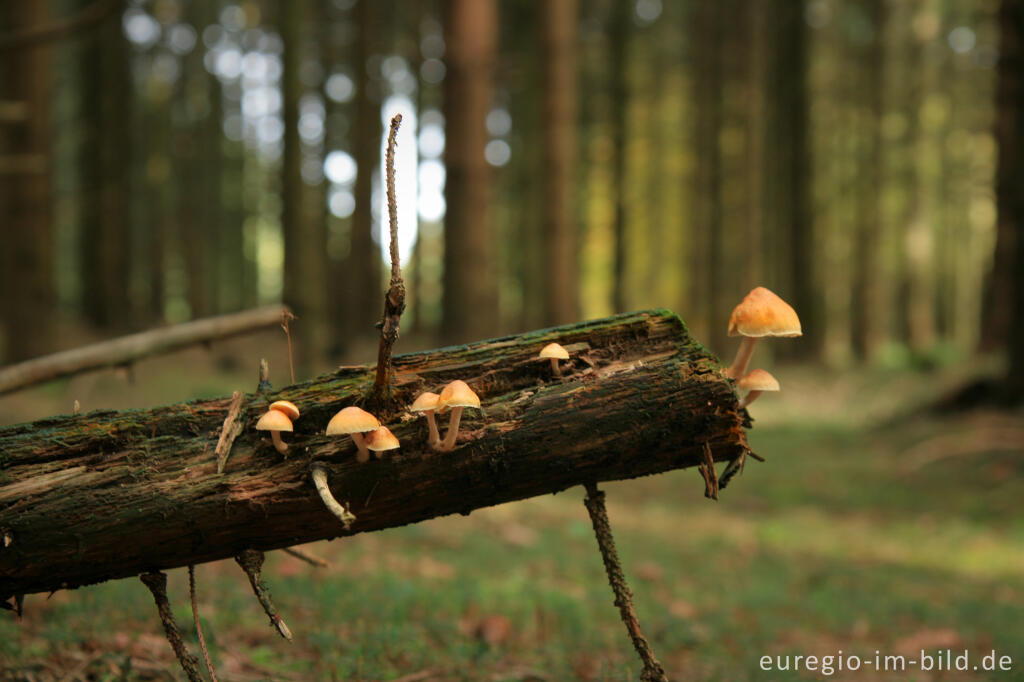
127, 349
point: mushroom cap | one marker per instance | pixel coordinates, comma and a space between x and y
553, 350
425, 402
381, 438
274, 420
762, 313
287, 407
758, 380
351, 420
458, 394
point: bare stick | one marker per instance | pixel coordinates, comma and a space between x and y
394, 300
332, 504
157, 584
195, 616
232, 427
307, 557
127, 349
251, 562
653, 672
286, 317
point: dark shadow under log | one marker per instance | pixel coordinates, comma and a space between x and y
111, 494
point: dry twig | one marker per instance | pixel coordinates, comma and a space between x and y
594, 501
157, 584
251, 562
195, 617
394, 299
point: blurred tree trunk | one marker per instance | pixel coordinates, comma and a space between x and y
159, 195
705, 260
558, 33
365, 283
305, 285
470, 287
196, 171
621, 18
1010, 184
105, 166
1001, 325
26, 257
918, 240
788, 222
870, 319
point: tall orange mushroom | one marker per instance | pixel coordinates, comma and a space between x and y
761, 313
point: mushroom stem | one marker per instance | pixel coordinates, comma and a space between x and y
335, 507
281, 446
749, 398
364, 452
743, 354
434, 440
453, 429
555, 367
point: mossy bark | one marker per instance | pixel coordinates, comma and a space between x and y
111, 494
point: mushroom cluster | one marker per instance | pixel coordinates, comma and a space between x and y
354, 422
457, 395
278, 418
761, 313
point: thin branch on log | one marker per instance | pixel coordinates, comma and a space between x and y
232, 427
394, 299
90, 16
157, 584
195, 617
251, 561
307, 557
127, 349
110, 494
594, 501
319, 475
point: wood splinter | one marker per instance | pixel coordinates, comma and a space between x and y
707, 470
232, 427
335, 507
251, 561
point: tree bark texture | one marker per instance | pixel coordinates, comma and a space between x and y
112, 494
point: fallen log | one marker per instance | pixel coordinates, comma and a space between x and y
112, 494
127, 349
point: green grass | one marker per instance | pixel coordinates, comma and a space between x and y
847, 538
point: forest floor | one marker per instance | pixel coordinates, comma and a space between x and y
871, 527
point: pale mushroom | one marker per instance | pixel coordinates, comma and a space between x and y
456, 395
757, 382
380, 440
353, 422
275, 421
555, 352
427, 403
